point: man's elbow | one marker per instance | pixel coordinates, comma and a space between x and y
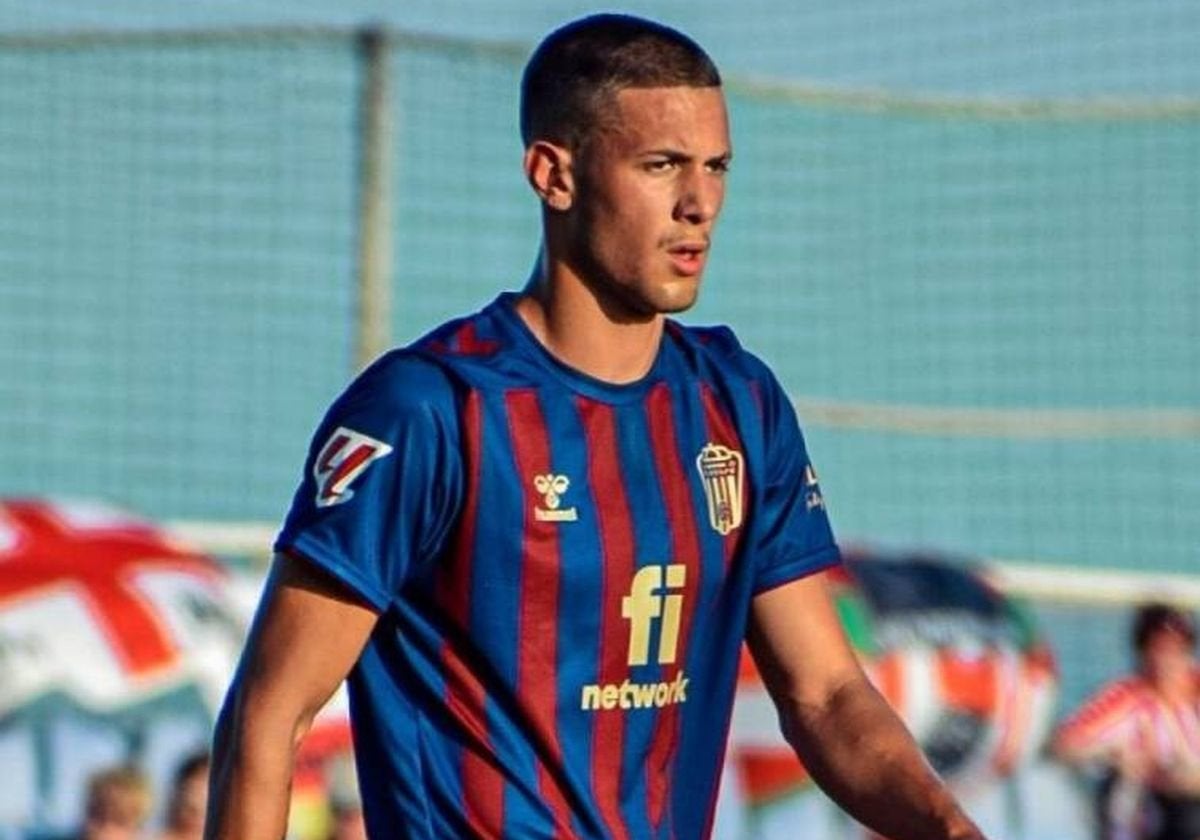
801, 725
801, 714
850, 719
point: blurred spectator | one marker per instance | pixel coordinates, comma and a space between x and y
345, 804
347, 823
189, 798
118, 803
1143, 731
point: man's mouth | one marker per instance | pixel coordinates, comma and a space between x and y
688, 257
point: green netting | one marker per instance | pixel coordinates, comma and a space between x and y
954, 259
466, 226
1008, 294
176, 247
941, 257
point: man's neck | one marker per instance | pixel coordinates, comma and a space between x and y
587, 333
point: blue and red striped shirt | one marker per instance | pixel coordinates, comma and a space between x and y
563, 569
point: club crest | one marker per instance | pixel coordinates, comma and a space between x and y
721, 471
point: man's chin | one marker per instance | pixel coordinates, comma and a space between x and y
678, 296
644, 302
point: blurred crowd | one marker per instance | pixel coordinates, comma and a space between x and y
120, 803
1137, 739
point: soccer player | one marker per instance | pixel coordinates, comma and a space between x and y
536, 538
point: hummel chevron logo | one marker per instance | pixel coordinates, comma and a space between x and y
552, 487
343, 458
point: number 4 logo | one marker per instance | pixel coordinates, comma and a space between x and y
342, 459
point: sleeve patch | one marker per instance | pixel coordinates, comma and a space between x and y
341, 460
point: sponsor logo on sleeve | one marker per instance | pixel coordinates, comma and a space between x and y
812, 493
342, 459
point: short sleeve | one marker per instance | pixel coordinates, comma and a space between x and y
1105, 720
382, 481
793, 537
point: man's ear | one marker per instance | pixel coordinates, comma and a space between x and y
548, 170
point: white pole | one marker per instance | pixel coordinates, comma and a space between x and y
374, 327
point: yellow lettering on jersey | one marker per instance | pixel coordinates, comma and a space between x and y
643, 604
627, 695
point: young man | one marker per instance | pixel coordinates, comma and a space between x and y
537, 538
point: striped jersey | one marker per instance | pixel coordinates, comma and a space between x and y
563, 569
1127, 716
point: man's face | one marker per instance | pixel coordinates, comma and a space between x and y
649, 187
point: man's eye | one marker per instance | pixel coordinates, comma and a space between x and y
665, 165
719, 167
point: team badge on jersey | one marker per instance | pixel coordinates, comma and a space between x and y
721, 471
342, 459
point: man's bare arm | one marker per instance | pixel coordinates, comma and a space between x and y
306, 636
849, 739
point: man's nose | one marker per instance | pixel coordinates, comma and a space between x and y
700, 198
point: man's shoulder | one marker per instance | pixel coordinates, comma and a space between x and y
402, 381
483, 351
473, 336
477, 337
719, 346
431, 368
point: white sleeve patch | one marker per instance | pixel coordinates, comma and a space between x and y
342, 459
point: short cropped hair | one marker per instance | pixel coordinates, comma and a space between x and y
572, 76
1151, 619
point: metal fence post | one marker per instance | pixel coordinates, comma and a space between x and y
374, 270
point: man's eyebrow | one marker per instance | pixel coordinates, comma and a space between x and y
676, 154
672, 154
